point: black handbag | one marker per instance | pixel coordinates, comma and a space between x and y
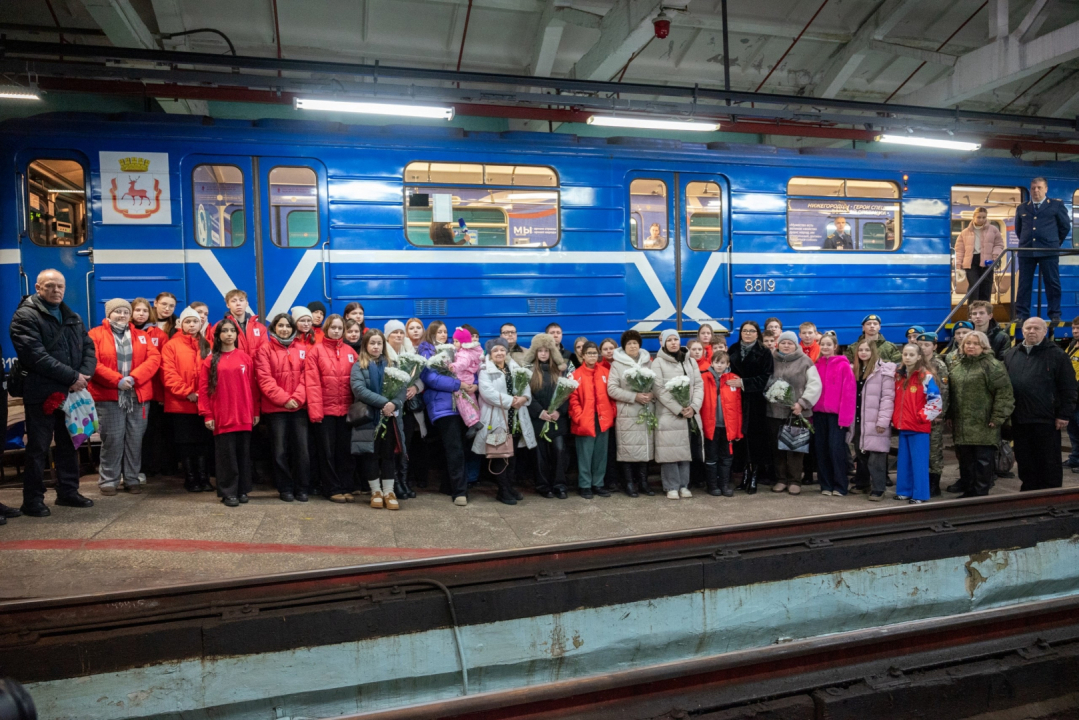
358, 413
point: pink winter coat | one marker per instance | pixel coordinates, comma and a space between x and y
838, 389
992, 245
465, 365
878, 402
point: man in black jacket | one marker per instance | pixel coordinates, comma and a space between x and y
981, 314
52, 345
1044, 386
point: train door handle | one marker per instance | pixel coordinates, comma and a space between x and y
325, 262
86, 253
89, 302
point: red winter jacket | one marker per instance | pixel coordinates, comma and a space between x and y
180, 363
590, 399
917, 403
280, 375
731, 399
326, 374
145, 360
235, 403
158, 338
249, 340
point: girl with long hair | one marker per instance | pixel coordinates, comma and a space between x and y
875, 379
379, 439
547, 367
833, 415
752, 363
157, 456
917, 403
442, 411
164, 309
181, 359
329, 394
354, 311
228, 399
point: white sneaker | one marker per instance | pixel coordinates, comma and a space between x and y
142, 478
825, 492
684, 492
672, 495
460, 501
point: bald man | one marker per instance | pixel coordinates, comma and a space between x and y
58, 356
1044, 386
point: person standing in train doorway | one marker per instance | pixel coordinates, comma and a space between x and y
840, 239
1041, 224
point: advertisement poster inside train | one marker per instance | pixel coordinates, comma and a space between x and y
871, 224
492, 218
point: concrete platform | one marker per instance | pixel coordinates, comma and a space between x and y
166, 536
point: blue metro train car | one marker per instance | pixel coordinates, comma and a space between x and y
602, 234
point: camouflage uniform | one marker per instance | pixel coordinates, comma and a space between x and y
936, 435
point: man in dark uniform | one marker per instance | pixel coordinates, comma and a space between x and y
840, 239
1041, 223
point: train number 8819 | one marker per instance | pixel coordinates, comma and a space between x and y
760, 285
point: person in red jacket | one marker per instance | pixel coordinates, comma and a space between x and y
329, 394
721, 423
305, 326
318, 319
917, 404
591, 415
279, 366
180, 362
122, 387
253, 334
228, 398
156, 441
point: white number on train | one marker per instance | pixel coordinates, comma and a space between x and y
760, 285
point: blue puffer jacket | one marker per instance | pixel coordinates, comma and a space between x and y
437, 389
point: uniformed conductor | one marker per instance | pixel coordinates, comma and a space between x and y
1040, 223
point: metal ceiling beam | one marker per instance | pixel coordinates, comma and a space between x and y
1036, 16
171, 20
1061, 100
548, 38
929, 56
624, 30
845, 62
1002, 61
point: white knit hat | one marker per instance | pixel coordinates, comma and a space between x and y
392, 325
300, 311
666, 334
188, 312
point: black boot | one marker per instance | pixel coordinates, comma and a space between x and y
751, 482
629, 483
399, 489
723, 477
641, 470
191, 483
711, 480
201, 476
956, 487
934, 484
746, 472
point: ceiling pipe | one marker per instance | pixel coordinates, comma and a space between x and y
27, 49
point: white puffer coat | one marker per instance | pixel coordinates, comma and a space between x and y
495, 402
635, 440
672, 435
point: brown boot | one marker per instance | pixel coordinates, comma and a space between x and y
389, 496
376, 495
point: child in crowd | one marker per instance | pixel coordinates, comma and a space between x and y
721, 423
379, 439
770, 340
697, 353
872, 420
774, 325
810, 340
228, 399
279, 364
917, 403
181, 359
467, 358
591, 416
833, 415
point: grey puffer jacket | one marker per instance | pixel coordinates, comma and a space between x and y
364, 390
635, 441
672, 435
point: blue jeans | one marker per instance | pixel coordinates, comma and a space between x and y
831, 442
912, 471
1049, 267
1073, 436
473, 462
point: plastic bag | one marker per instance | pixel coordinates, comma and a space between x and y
1005, 459
80, 416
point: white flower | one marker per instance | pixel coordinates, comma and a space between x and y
778, 392
676, 383
398, 374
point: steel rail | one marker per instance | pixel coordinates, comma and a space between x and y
29, 49
187, 601
615, 692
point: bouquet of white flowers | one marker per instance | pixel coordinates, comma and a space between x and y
563, 389
447, 348
520, 377
681, 389
440, 363
394, 380
640, 379
411, 363
779, 392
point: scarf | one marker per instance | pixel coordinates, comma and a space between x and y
354, 345
745, 349
122, 336
285, 343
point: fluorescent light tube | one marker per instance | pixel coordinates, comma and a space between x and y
652, 123
376, 108
15, 92
930, 142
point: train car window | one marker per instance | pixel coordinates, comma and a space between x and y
704, 216
648, 205
219, 206
1000, 204
56, 193
440, 212
294, 207
836, 214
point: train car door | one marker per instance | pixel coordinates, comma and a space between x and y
54, 231
294, 238
220, 248
652, 243
703, 291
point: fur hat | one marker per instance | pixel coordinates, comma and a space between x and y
493, 343
463, 336
116, 304
540, 341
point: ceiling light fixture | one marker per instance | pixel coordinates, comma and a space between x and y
18, 92
652, 123
376, 108
930, 142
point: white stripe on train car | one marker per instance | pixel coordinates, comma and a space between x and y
10, 256
204, 258
840, 258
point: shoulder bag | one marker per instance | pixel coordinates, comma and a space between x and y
358, 414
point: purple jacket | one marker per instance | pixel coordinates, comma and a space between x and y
878, 401
437, 389
838, 389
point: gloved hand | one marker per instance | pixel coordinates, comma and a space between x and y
127, 383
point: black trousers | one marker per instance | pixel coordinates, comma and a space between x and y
977, 467
288, 439
1037, 455
415, 445
233, 453
381, 463
158, 454
975, 271
335, 456
452, 432
718, 449
40, 431
550, 464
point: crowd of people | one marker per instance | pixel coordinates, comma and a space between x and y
342, 409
